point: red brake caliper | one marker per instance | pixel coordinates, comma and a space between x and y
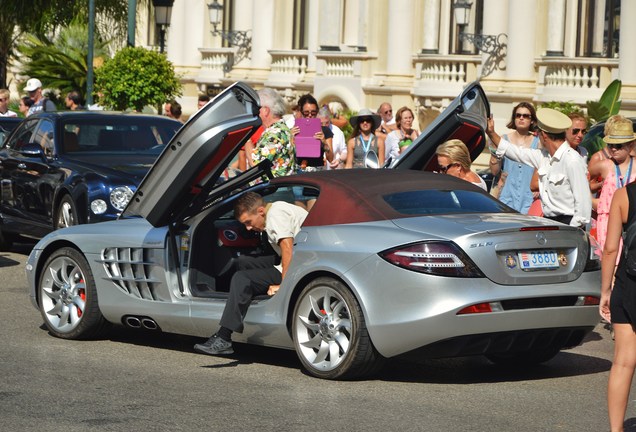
82, 294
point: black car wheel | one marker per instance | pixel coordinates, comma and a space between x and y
68, 297
66, 214
330, 334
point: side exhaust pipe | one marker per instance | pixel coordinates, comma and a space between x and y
132, 322
149, 324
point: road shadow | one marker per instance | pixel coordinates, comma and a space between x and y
18, 248
7, 261
478, 370
463, 370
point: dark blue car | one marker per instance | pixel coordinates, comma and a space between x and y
66, 168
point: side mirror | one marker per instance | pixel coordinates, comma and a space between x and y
371, 160
32, 150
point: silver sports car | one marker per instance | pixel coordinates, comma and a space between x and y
389, 262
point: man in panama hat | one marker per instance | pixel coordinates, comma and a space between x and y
563, 186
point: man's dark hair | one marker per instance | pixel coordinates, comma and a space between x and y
248, 203
204, 98
75, 97
175, 109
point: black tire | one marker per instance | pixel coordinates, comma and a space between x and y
330, 334
6, 241
528, 358
67, 297
66, 213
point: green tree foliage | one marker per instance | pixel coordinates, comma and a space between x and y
134, 78
60, 62
41, 17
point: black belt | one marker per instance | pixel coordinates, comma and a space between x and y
566, 219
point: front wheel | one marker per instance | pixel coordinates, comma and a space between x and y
68, 296
66, 214
330, 334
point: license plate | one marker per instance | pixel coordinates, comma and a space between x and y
538, 259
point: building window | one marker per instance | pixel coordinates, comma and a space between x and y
301, 10
599, 26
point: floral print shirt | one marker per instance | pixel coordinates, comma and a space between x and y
276, 145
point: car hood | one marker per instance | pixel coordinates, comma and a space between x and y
189, 168
465, 119
113, 164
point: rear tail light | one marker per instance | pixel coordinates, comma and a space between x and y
593, 262
435, 258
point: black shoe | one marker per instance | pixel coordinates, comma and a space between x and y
215, 346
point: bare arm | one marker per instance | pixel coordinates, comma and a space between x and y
490, 131
350, 146
380, 151
286, 250
618, 213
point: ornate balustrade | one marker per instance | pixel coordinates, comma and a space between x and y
444, 75
215, 63
287, 67
576, 80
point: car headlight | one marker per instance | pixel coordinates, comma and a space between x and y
99, 206
435, 258
120, 196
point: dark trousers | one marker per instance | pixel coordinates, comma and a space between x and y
561, 218
253, 277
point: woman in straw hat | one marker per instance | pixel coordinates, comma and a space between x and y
616, 172
363, 140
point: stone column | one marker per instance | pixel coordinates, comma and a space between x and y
312, 33
430, 42
599, 28
262, 33
330, 25
356, 21
627, 58
242, 20
185, 34
556, 27
399, 52
495, 22
522, 24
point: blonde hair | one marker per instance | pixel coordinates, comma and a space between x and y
5, 93
456, 151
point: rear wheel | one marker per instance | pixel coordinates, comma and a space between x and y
66, 214
528, 358
68, 296
330, 334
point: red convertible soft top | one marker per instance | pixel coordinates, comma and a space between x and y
356, 195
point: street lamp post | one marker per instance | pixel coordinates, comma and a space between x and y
238, 38
163, 13
493, 45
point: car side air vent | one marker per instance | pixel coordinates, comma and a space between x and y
130, 270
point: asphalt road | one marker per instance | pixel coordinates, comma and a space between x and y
155, 382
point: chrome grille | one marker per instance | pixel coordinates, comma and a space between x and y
130, 269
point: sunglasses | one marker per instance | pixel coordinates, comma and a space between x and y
387, 111
366, 120
443, 169
525, 116
577, 131
310, 113
615, 146
3, 99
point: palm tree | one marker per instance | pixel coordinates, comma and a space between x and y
60, 62
42, 17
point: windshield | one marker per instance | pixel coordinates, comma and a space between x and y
435, 202
120, 134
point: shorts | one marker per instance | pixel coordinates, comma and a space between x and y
617, 309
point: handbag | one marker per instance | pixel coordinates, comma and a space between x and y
629, 248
